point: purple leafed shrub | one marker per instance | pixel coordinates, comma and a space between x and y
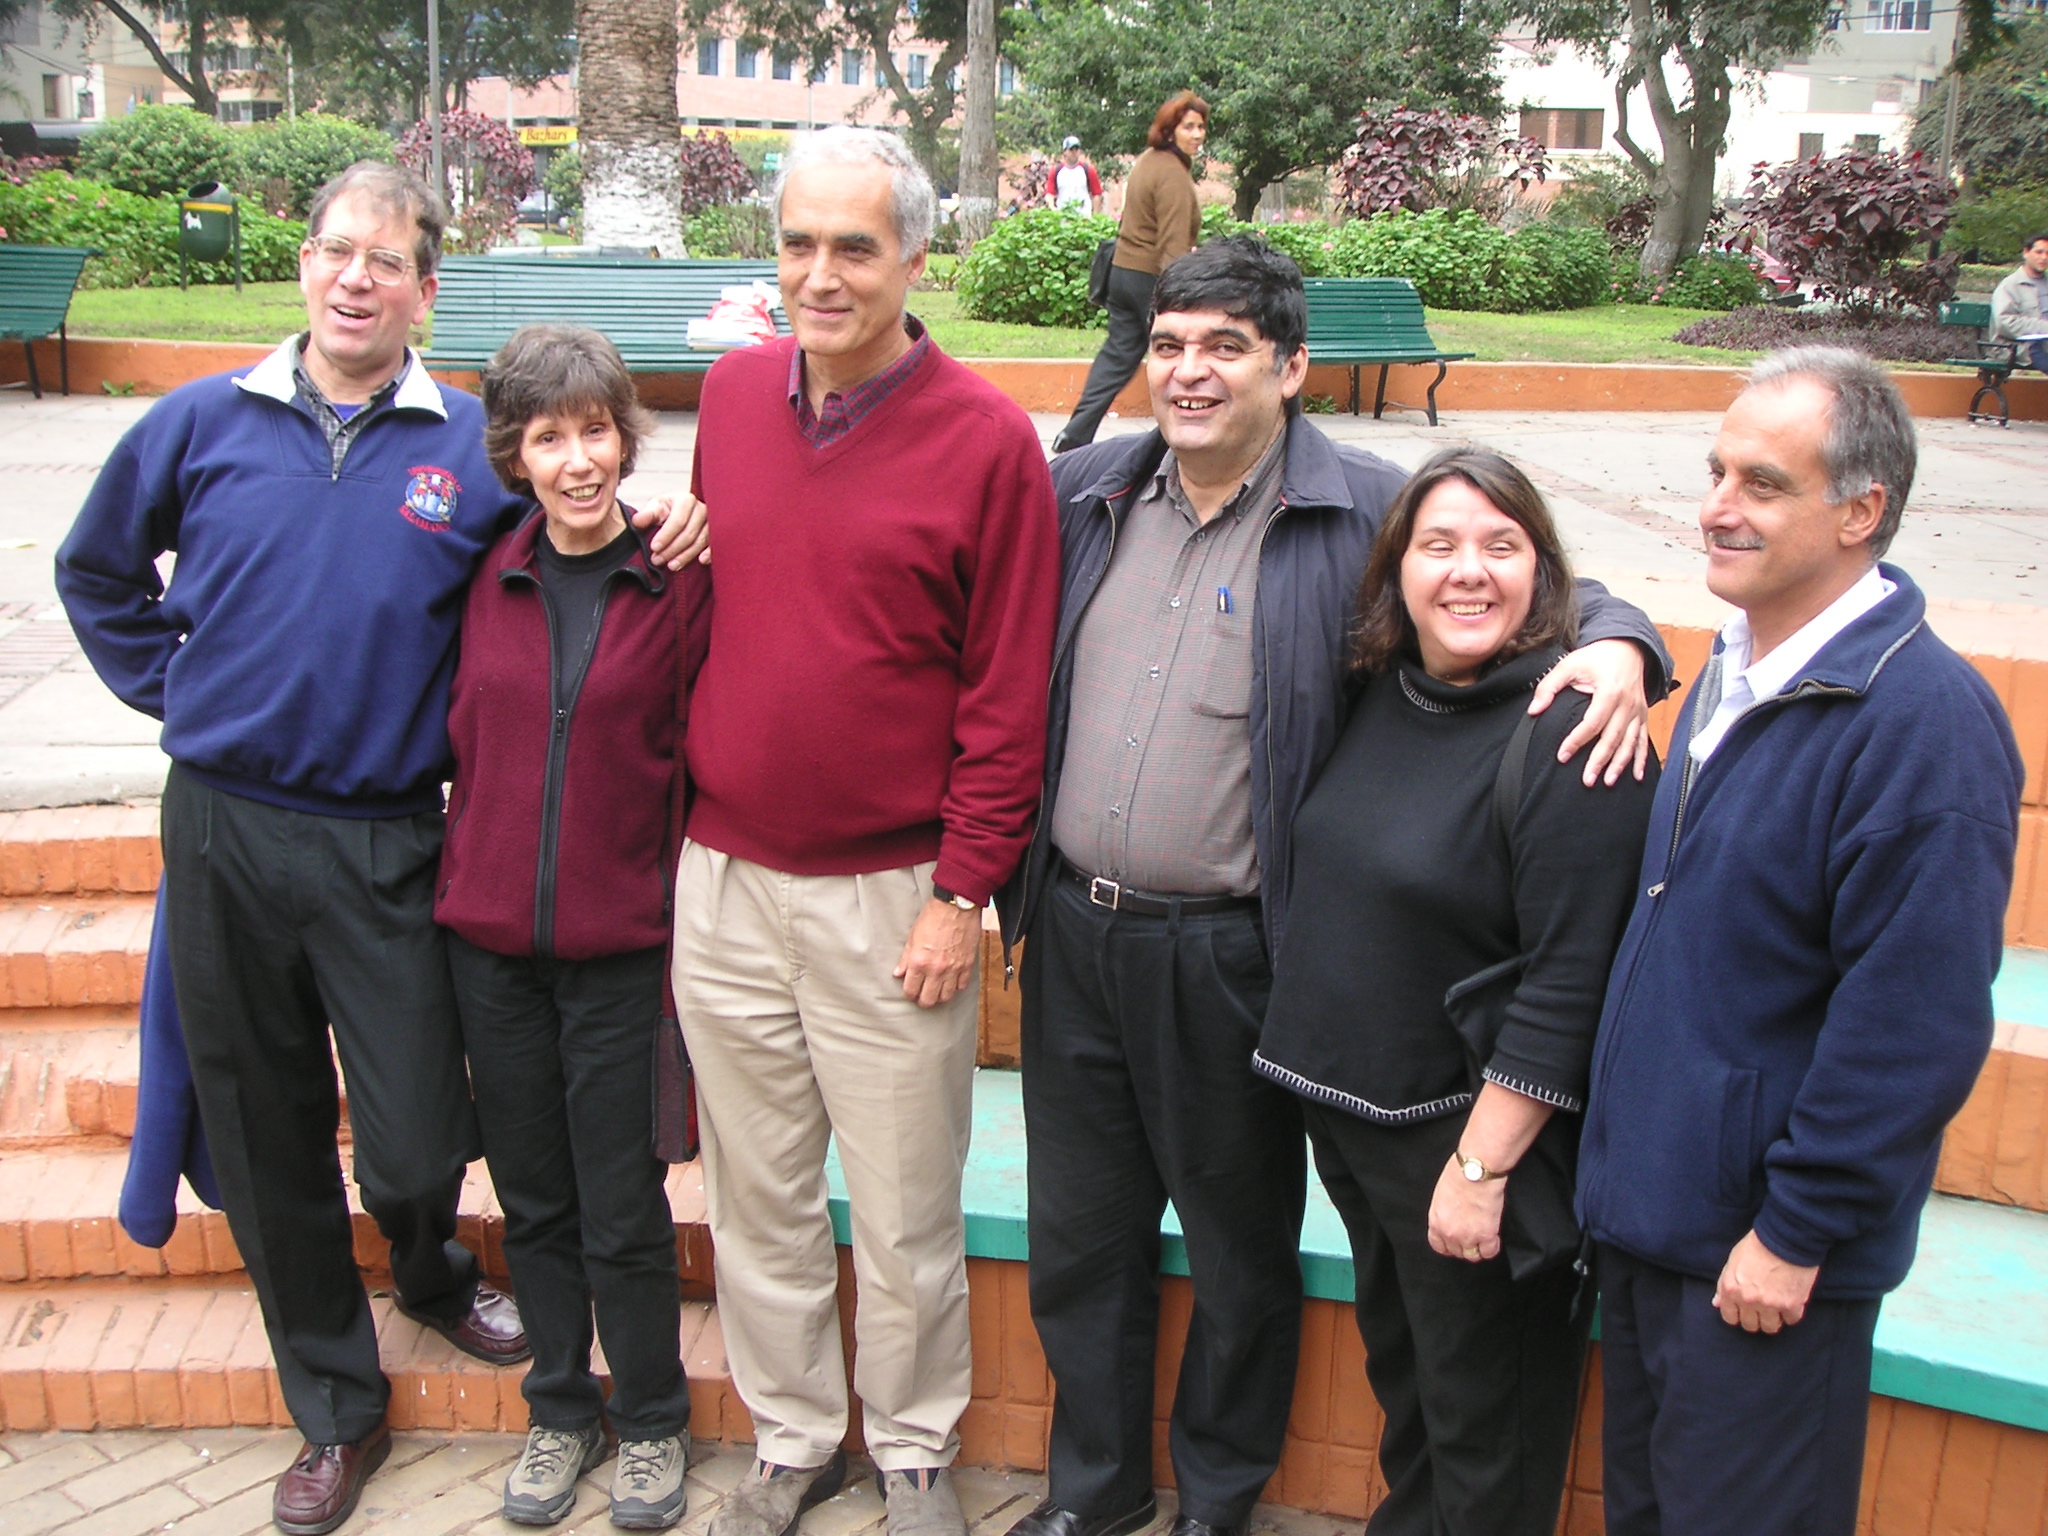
1407, 159
1849, 223
1894, 338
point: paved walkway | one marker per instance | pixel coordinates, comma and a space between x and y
1625, 488
216, 1482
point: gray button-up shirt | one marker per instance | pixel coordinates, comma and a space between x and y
1155, 790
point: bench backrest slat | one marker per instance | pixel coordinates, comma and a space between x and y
36, 283
1370, 315
1974, 314
644, 307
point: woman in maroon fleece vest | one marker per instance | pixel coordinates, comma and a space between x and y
563, 829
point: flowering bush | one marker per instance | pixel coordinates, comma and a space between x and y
137, 237
488, 169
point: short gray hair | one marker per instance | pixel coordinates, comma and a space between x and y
913, 205
394, 190
1870, 438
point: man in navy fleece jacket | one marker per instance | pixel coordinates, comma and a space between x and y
328, 507
1803, 997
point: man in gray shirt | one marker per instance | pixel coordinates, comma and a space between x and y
2019, 305
1198, 683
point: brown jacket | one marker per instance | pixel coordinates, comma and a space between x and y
1162, 219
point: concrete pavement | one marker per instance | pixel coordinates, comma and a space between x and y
1625, 488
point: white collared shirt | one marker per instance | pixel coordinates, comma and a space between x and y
274, 379
1745, 684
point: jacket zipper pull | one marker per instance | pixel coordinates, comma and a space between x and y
1656, 890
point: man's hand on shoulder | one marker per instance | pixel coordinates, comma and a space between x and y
1617, 721
684, 534
938, 958
1760, 1292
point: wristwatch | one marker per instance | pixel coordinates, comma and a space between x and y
953, 898
1474, 1171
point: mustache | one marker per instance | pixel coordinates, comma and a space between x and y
1716, 539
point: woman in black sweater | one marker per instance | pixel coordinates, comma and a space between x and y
1421, 864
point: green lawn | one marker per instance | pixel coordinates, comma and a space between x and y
267, 312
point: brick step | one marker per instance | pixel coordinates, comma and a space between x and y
69, 1077
59, 1222
162, 1354
73, 951
71, 1082
80, 849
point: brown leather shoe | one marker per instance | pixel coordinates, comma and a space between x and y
319, 1490
490, 1331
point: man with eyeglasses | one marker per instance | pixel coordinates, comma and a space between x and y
328, 508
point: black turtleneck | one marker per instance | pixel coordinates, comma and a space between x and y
1402, 886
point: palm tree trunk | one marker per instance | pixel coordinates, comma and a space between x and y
630, 134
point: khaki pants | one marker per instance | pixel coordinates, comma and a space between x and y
798, 1032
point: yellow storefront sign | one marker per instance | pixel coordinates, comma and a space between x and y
548, 135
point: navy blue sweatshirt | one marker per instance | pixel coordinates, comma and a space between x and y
1802, 1000
303, 651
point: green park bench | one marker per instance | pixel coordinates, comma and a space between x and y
1359, 321
36, 284
1994, 362
644, 306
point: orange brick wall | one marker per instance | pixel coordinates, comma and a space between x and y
1927, 1472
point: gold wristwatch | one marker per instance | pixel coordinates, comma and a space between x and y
953, 898
1474, 1171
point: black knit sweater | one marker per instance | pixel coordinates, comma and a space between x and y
1403, 887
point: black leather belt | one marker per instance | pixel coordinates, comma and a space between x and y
1104, 892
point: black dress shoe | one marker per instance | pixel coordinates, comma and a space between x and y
1188, 1525
1050, 1520
489, 1331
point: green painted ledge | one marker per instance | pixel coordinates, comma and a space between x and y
1968, 1331
2020, 995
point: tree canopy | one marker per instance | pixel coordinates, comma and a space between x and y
2002, 132
1285, 79
367, 59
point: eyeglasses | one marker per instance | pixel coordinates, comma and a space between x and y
331, 253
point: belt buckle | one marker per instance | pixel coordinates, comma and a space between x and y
1096, 889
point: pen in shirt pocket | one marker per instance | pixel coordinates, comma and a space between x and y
1223, 604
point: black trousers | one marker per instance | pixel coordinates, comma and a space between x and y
1130, 307
560, 1055
1708, 1429
1137, 1038
1477, 1373
280, 924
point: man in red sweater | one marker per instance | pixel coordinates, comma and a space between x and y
866, 742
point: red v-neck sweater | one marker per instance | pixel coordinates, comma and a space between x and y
874, 695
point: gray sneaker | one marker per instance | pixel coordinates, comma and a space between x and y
770, 1500
541, 1487
922, 1503
647, 1483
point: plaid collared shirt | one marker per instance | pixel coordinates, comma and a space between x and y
844, 410
341, 431
1155, 787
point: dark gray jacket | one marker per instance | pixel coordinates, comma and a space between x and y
1311, 557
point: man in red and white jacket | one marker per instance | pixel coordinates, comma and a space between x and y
1072, 182
866, 742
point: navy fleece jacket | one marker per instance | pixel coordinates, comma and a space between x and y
1802, 1000
302, 653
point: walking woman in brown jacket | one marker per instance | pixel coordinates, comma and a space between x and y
1162, 222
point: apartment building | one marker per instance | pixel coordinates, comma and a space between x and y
1858, 88
45, 71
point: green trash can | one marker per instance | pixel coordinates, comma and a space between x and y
209, 229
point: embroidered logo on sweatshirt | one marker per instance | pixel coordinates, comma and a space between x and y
430, 498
